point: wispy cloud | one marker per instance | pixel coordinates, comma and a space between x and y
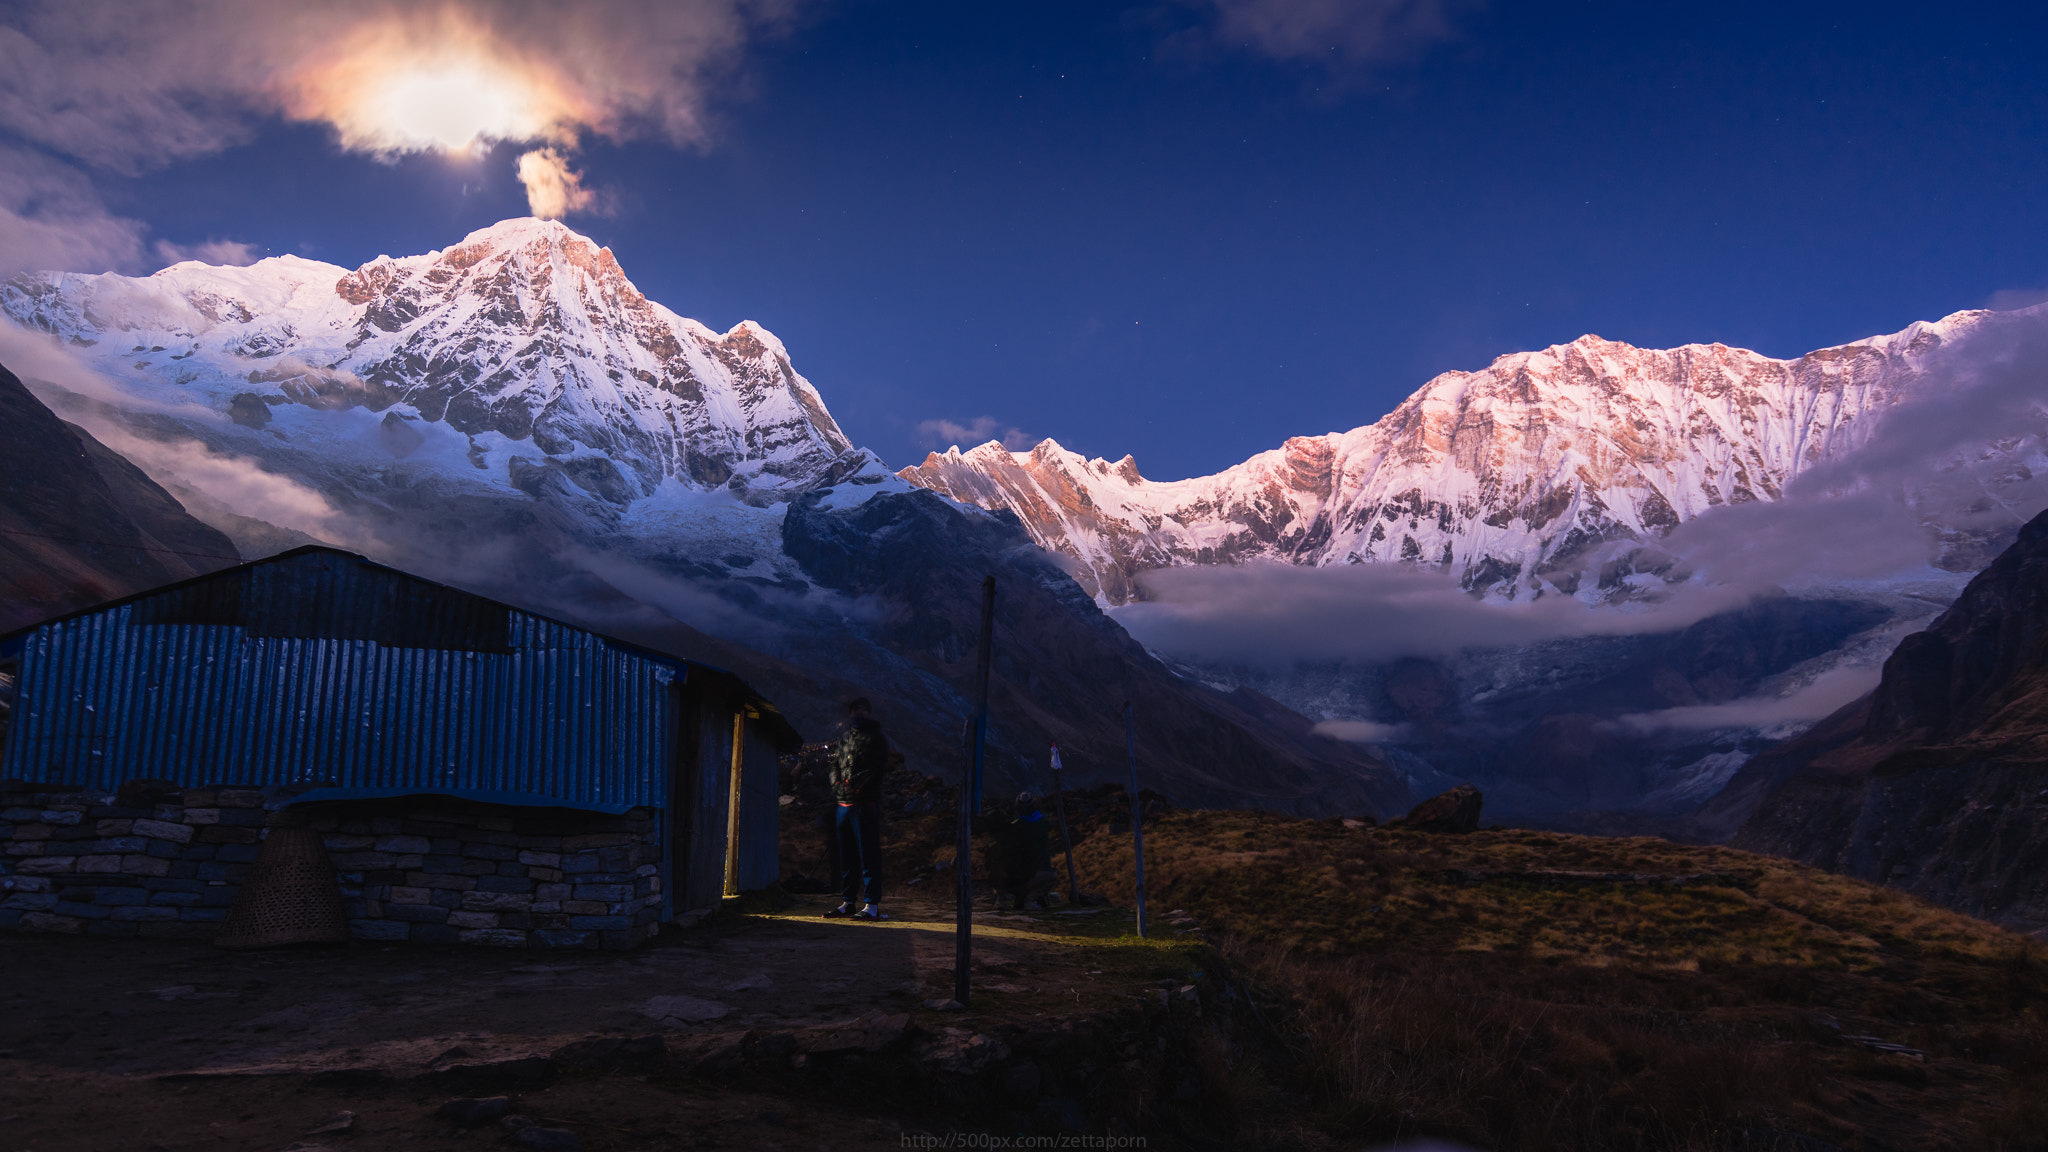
1337, 33
232, 253
940, 434
50, 217
1362, 731
1990, 388
2011, 299
553, 190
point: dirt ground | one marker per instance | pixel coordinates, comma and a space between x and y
133, 1045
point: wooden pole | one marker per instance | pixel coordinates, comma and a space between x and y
1137, 811
963, 868
732, 805
970, 798
981, 670
1059, 796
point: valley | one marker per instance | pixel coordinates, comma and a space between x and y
513, 416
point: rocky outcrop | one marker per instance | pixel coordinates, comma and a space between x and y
80, 525
1937, 782
1454, 811
1512, 476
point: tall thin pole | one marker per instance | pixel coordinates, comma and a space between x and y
963, 869
970, 799
1137, 811
981, 668
1059, 796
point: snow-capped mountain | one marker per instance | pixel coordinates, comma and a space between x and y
526, 341
1509, 476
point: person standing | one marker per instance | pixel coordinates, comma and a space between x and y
859, 760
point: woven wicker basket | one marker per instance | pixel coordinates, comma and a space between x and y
289, 898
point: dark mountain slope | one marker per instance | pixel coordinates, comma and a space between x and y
1937, 782
1062, 668
78, 523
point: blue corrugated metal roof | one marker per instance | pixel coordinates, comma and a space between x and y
426, 630
320, 667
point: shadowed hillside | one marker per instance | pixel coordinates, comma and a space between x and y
79, 524
1937, 782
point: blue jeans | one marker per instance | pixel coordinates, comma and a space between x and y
859, 832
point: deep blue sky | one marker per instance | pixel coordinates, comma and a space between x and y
1091, 223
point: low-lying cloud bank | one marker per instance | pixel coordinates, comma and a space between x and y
1825, 695
1274, 614
1362, 731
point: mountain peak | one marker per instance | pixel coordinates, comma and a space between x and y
521, 229
543, 366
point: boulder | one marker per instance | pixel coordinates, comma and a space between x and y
1453, 811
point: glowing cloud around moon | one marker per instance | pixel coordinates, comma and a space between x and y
451, 108
445, 85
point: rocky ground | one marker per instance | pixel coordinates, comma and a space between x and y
769, 1027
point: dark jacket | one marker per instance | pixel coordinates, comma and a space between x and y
1017, 851
859, 759
1037, 850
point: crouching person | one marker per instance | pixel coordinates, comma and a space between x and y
1020, 857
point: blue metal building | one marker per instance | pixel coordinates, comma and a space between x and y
318, 669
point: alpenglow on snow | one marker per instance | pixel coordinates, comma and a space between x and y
1511, 477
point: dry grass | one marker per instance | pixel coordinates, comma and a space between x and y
1472, 987
1319, 887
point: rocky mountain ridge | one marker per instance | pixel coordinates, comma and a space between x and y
1512, 476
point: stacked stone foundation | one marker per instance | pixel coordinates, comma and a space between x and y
168, 863
456, 873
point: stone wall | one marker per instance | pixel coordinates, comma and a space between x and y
449, 872
131, 864
167, 863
